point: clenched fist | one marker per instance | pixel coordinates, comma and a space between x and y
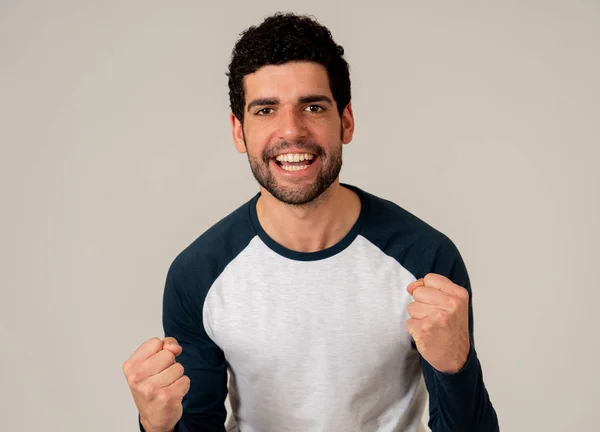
157, 383
439, 322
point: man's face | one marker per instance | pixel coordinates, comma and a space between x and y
292, 131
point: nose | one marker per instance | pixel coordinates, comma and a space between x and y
291, 126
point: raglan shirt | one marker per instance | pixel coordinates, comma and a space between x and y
316, 341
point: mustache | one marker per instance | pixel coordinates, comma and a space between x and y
308, 147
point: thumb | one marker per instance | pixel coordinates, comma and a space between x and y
414, 285
171, 344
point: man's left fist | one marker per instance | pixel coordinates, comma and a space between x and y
439, 322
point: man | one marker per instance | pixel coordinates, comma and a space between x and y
325, 303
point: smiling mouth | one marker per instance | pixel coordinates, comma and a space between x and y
294, 161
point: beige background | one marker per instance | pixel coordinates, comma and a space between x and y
483, 118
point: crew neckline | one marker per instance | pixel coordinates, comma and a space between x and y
317, 255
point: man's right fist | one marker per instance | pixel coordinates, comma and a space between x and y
157, 383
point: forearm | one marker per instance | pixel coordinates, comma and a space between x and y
460, 401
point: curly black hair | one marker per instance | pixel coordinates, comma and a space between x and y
281, 38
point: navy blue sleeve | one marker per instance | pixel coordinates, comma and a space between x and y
203, 361
458, 401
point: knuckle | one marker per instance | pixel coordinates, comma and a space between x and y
186, 384
134, 376
163, 397
182, 383
412, 328
426, 327
454, 302
133, 379
149, 391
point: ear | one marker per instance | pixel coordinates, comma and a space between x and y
237, 133
347, 124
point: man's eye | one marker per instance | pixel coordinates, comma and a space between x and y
315, 108
264, 111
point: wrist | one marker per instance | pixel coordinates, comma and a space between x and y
456, 363
465, 366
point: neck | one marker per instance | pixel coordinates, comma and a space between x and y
311, 227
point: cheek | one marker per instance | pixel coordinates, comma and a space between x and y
257, 136
330, 130
331, 137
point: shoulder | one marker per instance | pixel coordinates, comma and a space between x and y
205, 258
414, 243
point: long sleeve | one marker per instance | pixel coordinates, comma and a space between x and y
203, 361
459, 401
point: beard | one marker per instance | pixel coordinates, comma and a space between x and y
330, 165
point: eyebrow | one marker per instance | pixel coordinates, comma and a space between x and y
315, 98
302, 100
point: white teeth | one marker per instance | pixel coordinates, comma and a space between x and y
294, 167
294, 157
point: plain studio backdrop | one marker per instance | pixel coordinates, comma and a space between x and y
482, 118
